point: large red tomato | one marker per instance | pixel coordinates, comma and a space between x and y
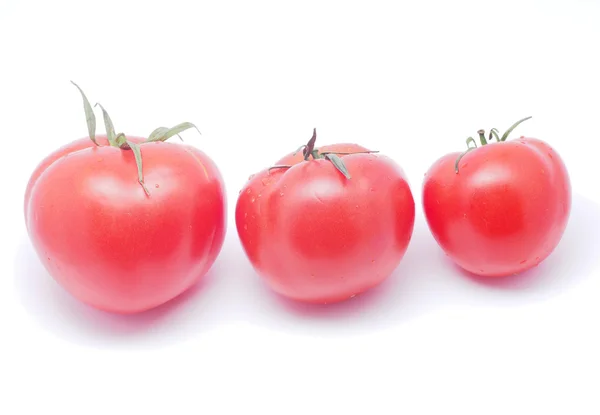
501, 208
317, 236
118, 240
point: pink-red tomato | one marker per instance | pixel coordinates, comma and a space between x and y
505, 210
108, 243
318, 237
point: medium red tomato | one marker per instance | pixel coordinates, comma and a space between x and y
316, 235
501, 208
124, 239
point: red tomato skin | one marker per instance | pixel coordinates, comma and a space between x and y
504, 212
111, 246
317, 237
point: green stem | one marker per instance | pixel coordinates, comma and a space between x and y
481, 134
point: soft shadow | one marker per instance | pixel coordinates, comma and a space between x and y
402, 297
426, 282
57, 311
574, 259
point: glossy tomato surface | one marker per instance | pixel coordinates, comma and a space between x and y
505, 210
111, 245
318, 237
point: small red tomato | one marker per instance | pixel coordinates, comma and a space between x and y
501, 208
327, 228
124, 223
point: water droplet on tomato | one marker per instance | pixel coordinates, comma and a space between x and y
371, 190
248, 191
251, 176
524, 261
246, 214
240, 192
353, 295
372, 261
253, 200
246, 227
157, 185
550, 155
281, 194
357, 206
312, 275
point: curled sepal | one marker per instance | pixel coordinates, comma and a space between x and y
339, 164
459, 158
495, 134
108, 124
512, 127
471, 145
470, 141
302, 147
138, 161
164, 133
90, 118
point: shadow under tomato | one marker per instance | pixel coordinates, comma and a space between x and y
402, 297
427, 282
573, 260
66, 317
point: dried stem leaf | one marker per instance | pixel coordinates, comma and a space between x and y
90, 117
164, 133
110, 129
138, 161
339, 164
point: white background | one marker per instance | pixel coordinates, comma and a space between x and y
411, 79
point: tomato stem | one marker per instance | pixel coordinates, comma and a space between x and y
494, 133
310, 146
120, 140
481, 134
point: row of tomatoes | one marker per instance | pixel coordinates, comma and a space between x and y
128, 223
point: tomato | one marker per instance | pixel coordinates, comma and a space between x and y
315, 235
117, 242
502, 209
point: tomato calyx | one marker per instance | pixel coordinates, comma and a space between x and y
308, 151
493, 134
120, 140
